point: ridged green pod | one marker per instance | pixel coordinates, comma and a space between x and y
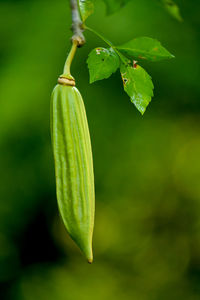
73, 165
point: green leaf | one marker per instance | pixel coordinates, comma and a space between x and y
86, 8
145, 48
102, 62
172, 9
114, 5
138, 85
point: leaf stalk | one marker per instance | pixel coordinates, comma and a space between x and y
122, 57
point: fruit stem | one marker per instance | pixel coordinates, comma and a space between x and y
69, 59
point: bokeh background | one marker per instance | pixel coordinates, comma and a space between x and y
147, 168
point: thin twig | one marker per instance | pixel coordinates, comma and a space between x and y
77, 25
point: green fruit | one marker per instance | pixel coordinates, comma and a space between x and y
73, 164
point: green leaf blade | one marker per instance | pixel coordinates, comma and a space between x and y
86, 8
145, 48
172, 9
102, 62
138, 85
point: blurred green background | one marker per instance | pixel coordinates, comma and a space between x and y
147, 168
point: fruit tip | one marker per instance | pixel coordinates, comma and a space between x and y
90, 260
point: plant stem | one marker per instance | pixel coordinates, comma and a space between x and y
77, 25
69, 59
78, 38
